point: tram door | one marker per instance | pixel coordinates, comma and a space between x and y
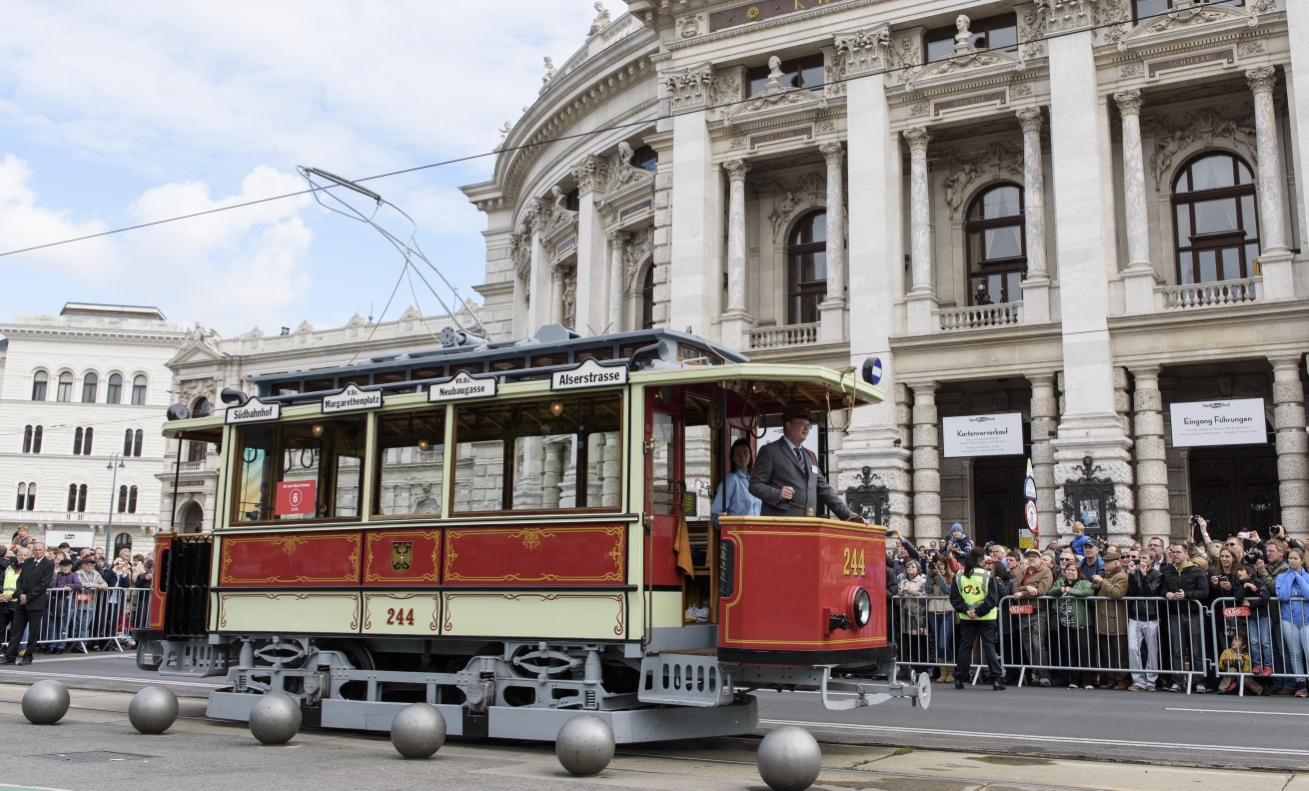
665, 450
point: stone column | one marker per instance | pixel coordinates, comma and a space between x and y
920, 297
617, 247
1292, 443
736, 322
1138, 278
557, 272
592, 260
1036, 286
1045, 422
1152, 507
833, 307
927, 464
1297, 154
1274, 256
695, 282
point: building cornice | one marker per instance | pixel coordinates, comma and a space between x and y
94, 334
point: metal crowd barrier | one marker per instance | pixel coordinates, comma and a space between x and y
1146, 641
1266, 640
78, 617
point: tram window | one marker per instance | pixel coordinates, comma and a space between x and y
559, 453
319, 385
297, 471
410, 463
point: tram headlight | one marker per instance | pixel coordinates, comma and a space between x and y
861, 608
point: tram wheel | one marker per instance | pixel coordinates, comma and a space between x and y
356, 652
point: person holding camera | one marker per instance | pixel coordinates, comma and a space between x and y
1250, 591
958, 544
976, 598
940, 614
1143, 582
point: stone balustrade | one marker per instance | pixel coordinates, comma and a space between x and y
978, 317
785, 336
1208, 295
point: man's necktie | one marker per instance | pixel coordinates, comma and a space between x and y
799, 457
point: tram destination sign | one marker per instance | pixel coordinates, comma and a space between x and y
352, 399
462, 387
1232, 421
589, 374
983, 435
253, 411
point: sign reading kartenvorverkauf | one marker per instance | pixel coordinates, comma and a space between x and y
462, 387
984, 435
1232, 421
589, 374
352, 399
253, 411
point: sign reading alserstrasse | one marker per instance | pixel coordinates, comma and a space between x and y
589, 374
1232, 421
253, 411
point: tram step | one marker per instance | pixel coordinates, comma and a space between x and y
686, 678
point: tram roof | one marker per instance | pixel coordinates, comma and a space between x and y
554, 347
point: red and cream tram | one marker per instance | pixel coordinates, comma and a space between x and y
515, 532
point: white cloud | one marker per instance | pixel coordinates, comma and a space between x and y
24, 223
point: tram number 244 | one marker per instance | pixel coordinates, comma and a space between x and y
400, 617
854, 563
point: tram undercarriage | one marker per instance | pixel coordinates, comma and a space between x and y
526, 691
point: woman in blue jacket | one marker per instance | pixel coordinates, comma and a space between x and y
1293, 593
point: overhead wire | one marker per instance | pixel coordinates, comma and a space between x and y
645, 122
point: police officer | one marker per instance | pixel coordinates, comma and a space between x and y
976, 598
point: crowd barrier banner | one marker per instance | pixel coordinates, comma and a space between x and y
74, 618
1248, 637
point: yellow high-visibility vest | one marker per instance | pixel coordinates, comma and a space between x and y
973, 590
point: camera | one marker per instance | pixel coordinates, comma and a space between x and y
1253, 555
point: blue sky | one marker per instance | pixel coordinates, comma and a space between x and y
112, 114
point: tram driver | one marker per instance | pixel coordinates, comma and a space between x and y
733, 497
786, 476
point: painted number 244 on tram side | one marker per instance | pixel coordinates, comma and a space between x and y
516, 532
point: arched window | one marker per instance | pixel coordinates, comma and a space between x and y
127, 443
806, 254
36, 438
86, 445
997, 249
645, 158
81, 499
77, 442
72, 497
122, 541
27, 439
138, 390
1217, 227
90, 383
136, 442
22, 497
65, 392
31, 497
39, 382
131, 500
114, 394
647, 298
122, 499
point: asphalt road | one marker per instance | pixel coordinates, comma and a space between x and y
1142, 727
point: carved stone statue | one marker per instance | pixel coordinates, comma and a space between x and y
961, 38
602, 19
504, 135
549, 72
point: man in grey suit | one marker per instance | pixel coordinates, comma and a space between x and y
786, 476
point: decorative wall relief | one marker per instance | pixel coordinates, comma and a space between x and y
1174, 135
965, 167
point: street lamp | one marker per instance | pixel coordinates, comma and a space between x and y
109, 525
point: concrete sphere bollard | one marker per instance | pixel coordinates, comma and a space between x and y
789, 759
152, 710
418, 731
585, 745
45, 702
275, 719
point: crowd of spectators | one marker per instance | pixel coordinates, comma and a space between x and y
1201, 614
68, 596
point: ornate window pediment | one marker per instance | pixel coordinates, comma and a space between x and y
1183, 21
965, 65
776, 99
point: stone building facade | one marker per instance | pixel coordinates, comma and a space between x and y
82, 402
1083, 211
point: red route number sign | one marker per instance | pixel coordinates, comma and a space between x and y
296, 497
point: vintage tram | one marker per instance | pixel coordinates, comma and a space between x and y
516, 532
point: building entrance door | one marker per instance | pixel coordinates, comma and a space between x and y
1235, 489
998, 498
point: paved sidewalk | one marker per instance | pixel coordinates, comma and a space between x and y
200, 753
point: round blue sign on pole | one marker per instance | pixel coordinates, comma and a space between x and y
873, 370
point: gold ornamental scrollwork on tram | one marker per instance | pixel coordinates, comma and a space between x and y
290, 545
533, 538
